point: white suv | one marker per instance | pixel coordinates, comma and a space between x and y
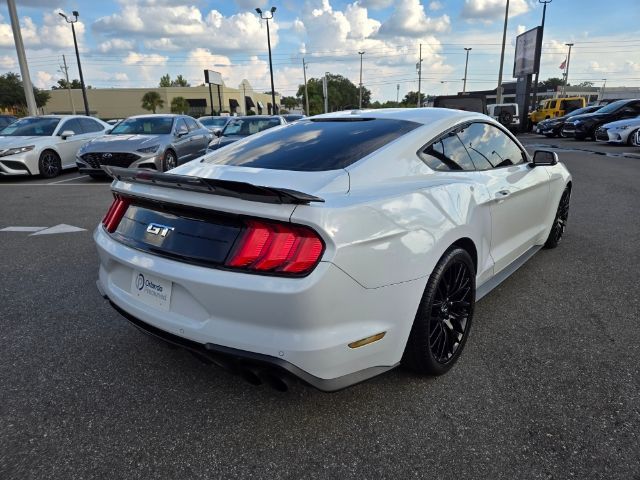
505, 113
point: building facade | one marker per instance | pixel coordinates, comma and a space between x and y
108, 103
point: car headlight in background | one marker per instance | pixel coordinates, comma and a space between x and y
152, 149
17, 150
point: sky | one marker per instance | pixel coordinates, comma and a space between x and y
132, 43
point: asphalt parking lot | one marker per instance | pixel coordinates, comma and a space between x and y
548, 386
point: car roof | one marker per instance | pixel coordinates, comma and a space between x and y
424, 116
256, 117
157, 115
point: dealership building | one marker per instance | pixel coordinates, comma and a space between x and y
108, 103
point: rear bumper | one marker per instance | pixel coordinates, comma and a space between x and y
301, 325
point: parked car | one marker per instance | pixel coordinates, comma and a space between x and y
556, 107
293, 117
334, 249
46, 145
636, 138
160, 142
7, 120
241, 127
215, 124
620, 131
507, 114
114, 121
583, 126
552, 127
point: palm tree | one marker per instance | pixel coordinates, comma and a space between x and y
179, 105
151, 101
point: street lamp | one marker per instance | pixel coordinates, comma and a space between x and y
535, 85
267, 18
466, 64
75, 42
360, 102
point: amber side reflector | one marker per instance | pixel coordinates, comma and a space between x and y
367, 341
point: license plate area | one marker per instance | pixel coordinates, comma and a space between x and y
151, 290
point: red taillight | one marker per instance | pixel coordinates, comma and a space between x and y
278, 248
115, 213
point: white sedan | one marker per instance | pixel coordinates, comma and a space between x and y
332, 249
620, 131
46, 145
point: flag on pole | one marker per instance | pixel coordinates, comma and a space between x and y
563, 64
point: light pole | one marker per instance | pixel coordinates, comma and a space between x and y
267, 18
22, 59
566, 71
466, 64
504, 40
535, 85
360, 102
75, 42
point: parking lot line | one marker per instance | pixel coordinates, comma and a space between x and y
69, 179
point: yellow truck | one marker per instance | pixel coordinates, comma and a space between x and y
556, 107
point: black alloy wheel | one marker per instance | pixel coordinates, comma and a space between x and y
170, 161
560, 221
49, 164
443, 321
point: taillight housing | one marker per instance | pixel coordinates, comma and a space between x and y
115, 213
278, 248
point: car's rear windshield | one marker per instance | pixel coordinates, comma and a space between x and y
144, 126
314, 145
213, 122
248, 126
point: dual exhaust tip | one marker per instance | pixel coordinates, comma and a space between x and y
270, 377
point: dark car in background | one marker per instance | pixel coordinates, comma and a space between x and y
552, 127
160, 142
583, 126
6, 120
241, 127
293, 117
213, 123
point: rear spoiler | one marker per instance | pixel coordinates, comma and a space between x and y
227, 188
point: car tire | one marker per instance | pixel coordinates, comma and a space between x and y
49, 164
442, 323
630, 138
97, 176
560, 220
169, 161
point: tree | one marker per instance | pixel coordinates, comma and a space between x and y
63, 84
151, 101
343, 94
12, 93
180, 81
411, 99
179, 105
165, 81
289, 102
550, 84
585, 84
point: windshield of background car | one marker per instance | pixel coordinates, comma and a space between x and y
213, 122
580, 111
314, 145
31, 126
245, 127
144, 126
613, 106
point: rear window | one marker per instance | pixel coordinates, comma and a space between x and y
314, 145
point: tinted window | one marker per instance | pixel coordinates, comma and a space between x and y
90, 126
72, 124
613, 106
144, 126
31, 126
4, 121
489, 146
181, 125
191, 124
448, 153
248, 126
314, 145
213, 122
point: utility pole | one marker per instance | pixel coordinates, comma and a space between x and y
466, 64
22, 59
535, 85
419, 77
504, 40
397, 94
65, 69
325, 91
602, 90
360, 102
306, 92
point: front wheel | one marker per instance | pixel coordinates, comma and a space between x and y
560, 220
442, 323
49, 164
170, 161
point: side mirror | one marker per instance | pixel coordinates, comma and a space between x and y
181, 132
544, 158
108, 131
67, 133
217, 133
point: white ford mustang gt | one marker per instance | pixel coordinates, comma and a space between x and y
332, 249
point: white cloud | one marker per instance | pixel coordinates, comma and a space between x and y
409, 20
134, 58
375, 4
53, 33
115, 45
488, 11
7, 62
435, 5
44, 79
